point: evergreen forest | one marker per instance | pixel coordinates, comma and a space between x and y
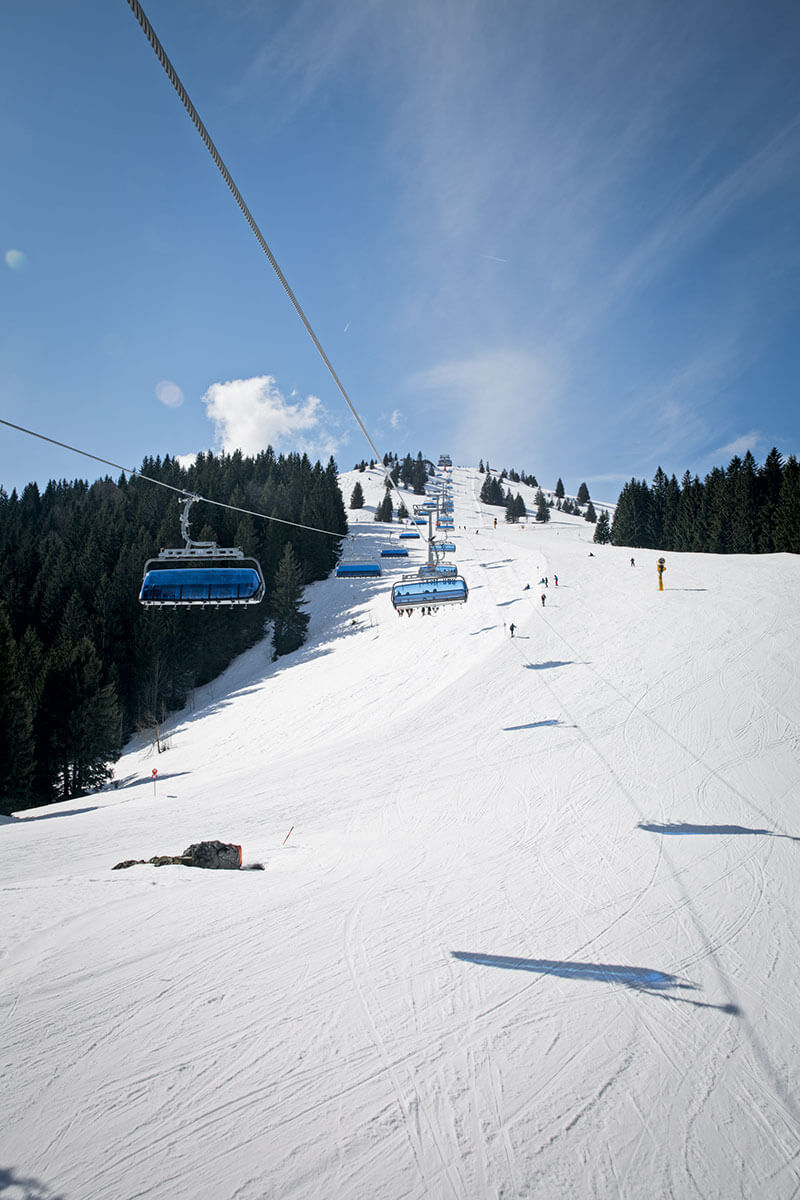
744, 509
82, 663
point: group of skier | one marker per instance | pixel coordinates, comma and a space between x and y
546, 581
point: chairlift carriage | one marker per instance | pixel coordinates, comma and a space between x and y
358, 568
431, 590
201, 574
431, 570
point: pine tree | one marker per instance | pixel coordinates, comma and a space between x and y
744, 512
406, 471
542, 507
590, 515
419, 476
78, 720
672, 504
385, 509
716, 512
559, 490
770, 478
357, 496
16, 725
658, 505
289, 623
602, 530
787, 514
631, 524
583, 494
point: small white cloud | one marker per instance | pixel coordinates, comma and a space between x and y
251, 414
16, 259
169, 393
739, 446
396, 419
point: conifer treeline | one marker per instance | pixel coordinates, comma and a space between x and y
82, 663
745, 509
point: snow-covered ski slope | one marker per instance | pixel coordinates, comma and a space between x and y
534, 932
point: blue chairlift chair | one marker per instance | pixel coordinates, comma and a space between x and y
431, 591
201, 574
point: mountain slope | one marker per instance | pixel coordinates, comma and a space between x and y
533, 932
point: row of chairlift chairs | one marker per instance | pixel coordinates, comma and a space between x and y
205, 575
436, 582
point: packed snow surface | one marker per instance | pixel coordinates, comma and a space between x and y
533, 933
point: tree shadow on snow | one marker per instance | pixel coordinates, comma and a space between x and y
71, 812
683, 829
547, 666
134, 780
23, 1187
639, 979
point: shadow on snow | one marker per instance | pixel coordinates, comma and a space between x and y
683, 829
639, 979
25, 1187
533, 725
71, 812
547, 666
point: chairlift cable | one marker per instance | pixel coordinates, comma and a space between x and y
170, 487
174, 79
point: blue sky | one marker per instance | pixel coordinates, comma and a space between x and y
560, 235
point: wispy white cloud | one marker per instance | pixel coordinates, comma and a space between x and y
739, 446
302, 51
704, 206
495, 402
251, 414
396, 419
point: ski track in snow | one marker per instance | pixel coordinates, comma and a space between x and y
533, 933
